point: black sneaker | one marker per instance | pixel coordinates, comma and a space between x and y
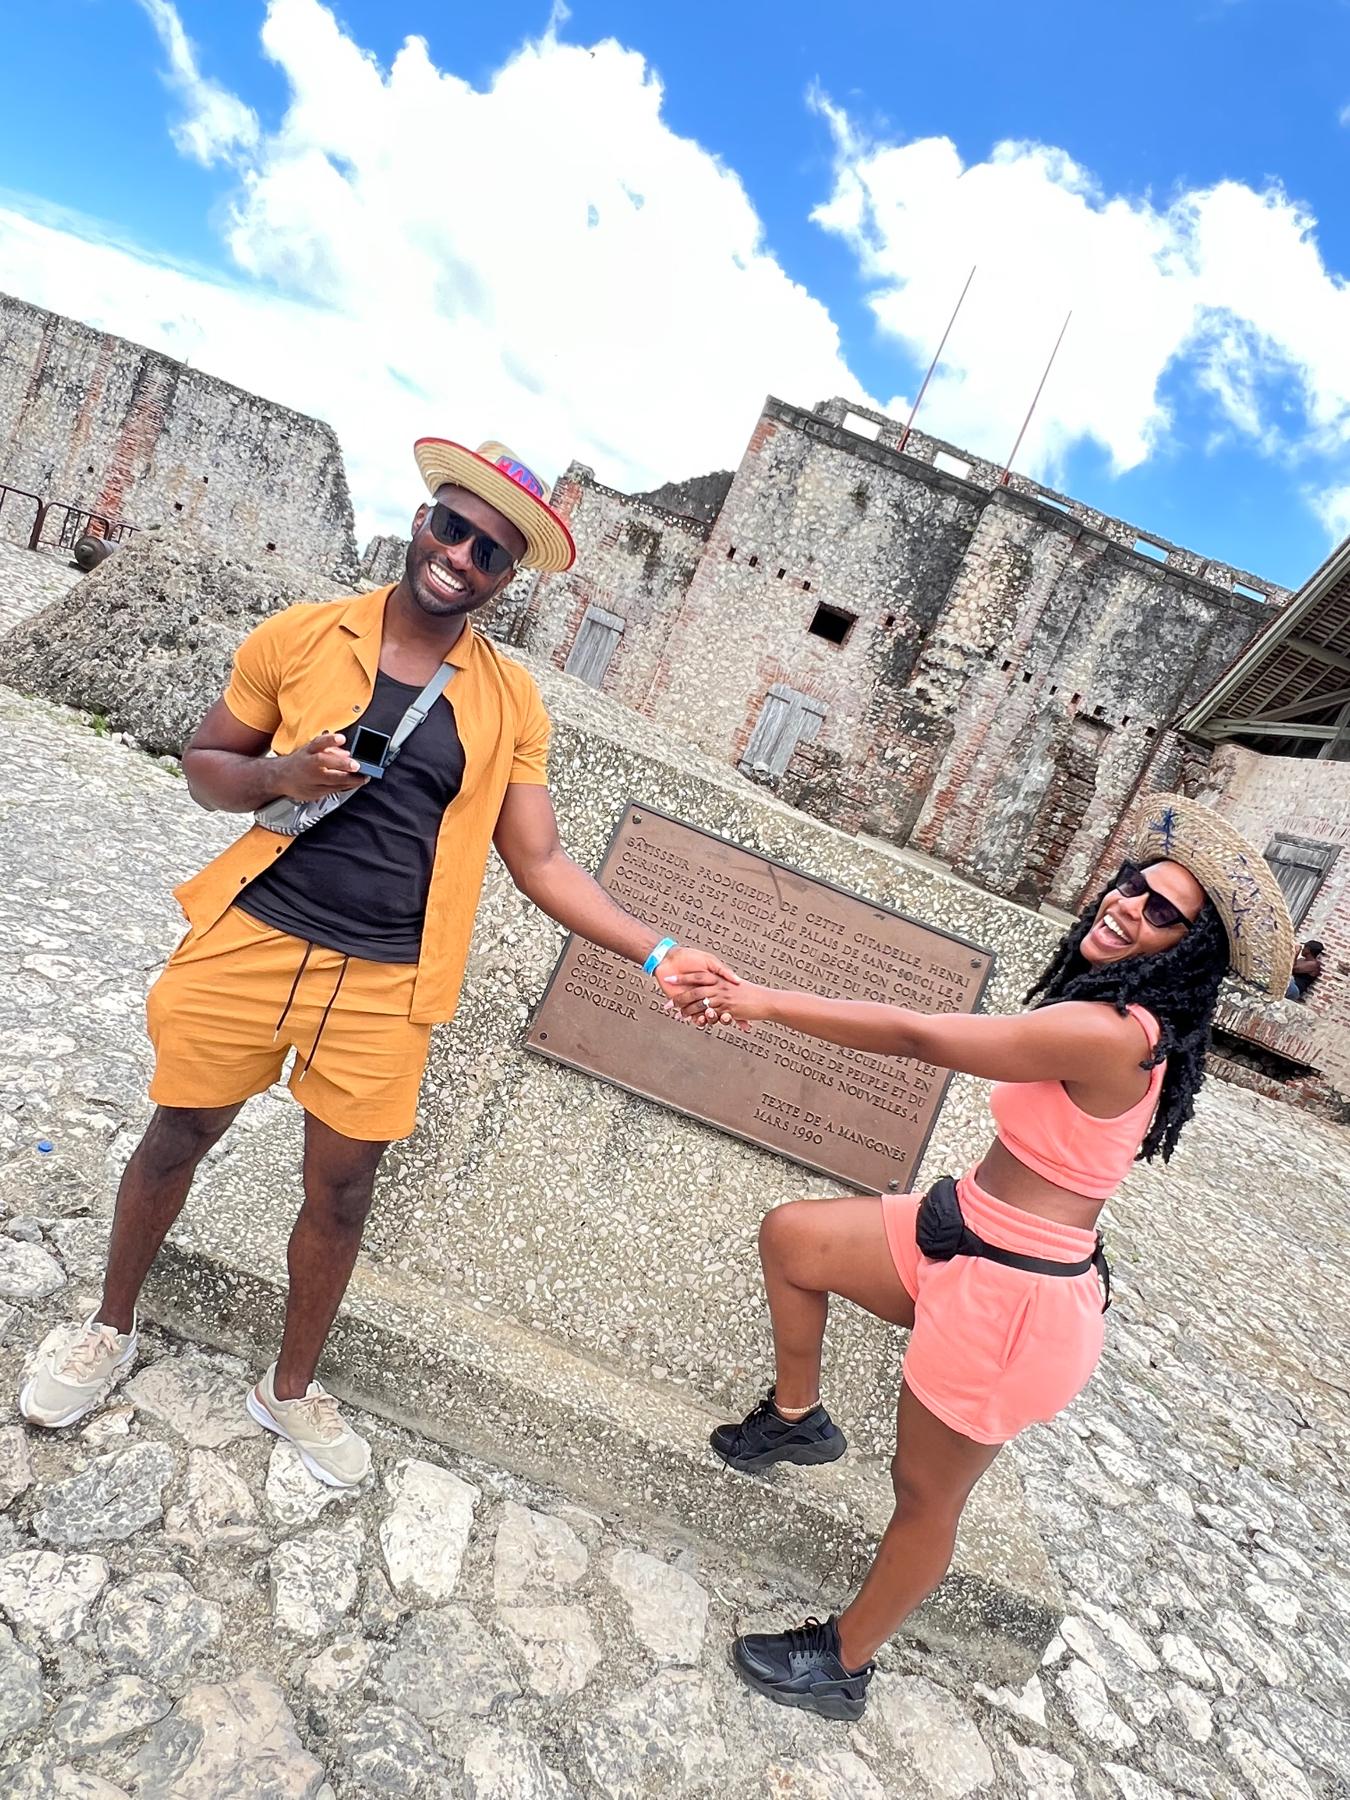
802, 1668
764, 1436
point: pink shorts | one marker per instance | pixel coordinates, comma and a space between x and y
993, 1348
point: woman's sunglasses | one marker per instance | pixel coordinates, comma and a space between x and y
488, 555
1159, 910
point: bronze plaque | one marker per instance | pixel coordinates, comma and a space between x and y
862, 1117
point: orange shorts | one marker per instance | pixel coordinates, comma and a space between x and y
994, 1349
222, 1028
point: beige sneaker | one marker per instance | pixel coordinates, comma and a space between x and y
74, 1369
329, 1448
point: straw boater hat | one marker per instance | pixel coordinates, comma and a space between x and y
1237, 878
500, 478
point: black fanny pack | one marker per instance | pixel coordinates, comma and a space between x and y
942, 1233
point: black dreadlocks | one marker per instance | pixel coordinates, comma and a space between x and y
1180, 987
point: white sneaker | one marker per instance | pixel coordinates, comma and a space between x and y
74, 1369
329, 1448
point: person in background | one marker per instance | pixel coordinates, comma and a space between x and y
1307, 969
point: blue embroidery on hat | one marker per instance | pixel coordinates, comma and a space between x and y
522, 476
1165, 825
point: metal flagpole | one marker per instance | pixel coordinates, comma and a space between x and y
1003, 478
904, 435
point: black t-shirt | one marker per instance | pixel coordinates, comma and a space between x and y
358, 880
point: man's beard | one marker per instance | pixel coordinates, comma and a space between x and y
432, 602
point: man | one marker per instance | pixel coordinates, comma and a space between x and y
346, 942
1307, 968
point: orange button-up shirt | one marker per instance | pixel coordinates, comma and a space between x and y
311, 669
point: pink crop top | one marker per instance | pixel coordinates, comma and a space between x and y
1040, 1125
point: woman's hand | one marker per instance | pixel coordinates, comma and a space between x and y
717, 1002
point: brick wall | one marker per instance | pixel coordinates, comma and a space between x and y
1303, 798
111, 426
634, 559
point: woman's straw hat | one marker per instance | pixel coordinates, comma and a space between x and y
1232, 871
500, 478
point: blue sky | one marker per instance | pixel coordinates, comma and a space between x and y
608, 234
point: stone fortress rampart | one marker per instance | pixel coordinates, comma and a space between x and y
899, 642
113, 428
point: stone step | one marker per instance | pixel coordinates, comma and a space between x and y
485, 1385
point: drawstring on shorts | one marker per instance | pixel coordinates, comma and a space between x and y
337, 988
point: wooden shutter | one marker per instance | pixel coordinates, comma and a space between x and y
785, 720
595, 645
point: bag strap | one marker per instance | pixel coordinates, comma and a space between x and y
419, 709
974, 1245
291, 817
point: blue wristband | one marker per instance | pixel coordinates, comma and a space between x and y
652, 962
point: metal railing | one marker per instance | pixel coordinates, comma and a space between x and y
75, 522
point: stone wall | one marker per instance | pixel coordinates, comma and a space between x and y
113, 427
635, 561
383, 560
1075, 654
1299, 798
145, 642
985, 671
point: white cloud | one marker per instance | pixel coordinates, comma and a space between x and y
542, 260
1332, 506
217, 122
1226, 276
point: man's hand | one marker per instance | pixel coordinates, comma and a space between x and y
684, 971
712, 1000
685, 963
319, 768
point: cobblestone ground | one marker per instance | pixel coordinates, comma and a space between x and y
186, 1614
30, 580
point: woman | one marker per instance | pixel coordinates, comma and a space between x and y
1003, 1300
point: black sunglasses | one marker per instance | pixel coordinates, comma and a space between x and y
448, 527
1159, 910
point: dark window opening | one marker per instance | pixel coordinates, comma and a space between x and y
781, 573
806, 587
731, 552
1097, 711
178, 506
1026, 676
1006, 667
888, 621
832, 624
1148, 731
1055, 688
1075, 700
754, 562
271, 546
1125, 720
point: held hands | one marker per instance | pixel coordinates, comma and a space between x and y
319, 768
684, 971
714, 1000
